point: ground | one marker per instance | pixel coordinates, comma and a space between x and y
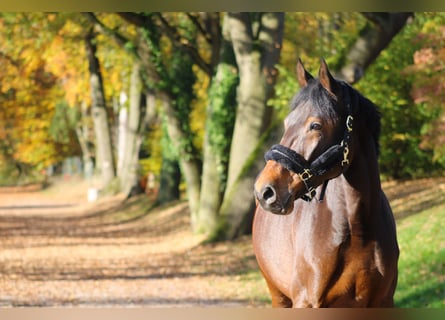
56, 249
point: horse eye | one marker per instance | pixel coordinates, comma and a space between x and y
315, 126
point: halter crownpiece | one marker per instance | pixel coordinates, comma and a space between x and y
295, 162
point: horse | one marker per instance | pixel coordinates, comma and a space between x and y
341, 249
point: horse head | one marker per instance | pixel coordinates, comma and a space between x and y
315, 146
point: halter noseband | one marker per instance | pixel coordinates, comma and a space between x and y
305, 170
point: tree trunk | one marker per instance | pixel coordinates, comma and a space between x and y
374, 37
219, 129
256, 51
256, 62
174, 86
104, 150
236, 213
135, 125
169, 180
85, 143
189, 162
170, 175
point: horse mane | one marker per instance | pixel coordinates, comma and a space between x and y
367, 113
362, 108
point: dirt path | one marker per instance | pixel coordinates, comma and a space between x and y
58, 250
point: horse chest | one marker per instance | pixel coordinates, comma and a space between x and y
295, 250
317, 253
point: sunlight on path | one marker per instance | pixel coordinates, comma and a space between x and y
56, 249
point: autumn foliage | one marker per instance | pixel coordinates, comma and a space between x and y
28, 96
43, 86
45, 103
429, 86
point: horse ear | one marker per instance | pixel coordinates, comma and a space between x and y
302, 75
326, 79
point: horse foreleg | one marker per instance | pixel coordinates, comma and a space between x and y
279, 300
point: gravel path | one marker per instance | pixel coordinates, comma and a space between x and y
58, 250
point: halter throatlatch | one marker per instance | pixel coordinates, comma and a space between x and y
295, 162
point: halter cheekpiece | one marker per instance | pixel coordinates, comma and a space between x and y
305, 170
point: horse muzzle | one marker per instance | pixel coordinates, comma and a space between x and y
270, 201
274, 189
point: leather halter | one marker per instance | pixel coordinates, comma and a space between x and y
305, 170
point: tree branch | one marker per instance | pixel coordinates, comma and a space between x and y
214, 31
136, 19
185, 45
381, 28
9, 58
200, 28
118, 37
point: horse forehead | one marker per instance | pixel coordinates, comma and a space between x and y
300, 113
294, 131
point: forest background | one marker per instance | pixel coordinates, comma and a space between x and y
194, 99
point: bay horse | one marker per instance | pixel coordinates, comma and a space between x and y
339, 250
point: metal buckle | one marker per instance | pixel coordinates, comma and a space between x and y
349, 120
305, 175
309, 195
312, 192
345, 160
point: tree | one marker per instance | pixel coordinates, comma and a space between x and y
427, 88
104, 149
29, 95
111, 67
172, 80
133, 128
257, 42
221, 110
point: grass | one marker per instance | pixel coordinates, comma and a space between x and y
422, 260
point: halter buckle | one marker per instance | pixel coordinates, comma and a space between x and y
311, 193
345, 160
349, 120
305, 175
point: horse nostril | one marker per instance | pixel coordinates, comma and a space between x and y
269, 195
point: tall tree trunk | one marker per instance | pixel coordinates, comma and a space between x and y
85, 143
169, 180
188, 160
237, 209
174, 86
170, 175
218, 133
122, 124
257, 52
135, 127
104, 150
